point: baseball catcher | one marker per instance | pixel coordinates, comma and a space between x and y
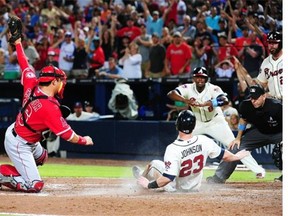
41, 111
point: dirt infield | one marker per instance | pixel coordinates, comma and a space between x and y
94, 196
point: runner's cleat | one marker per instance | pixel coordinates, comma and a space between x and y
260, 175
136, 171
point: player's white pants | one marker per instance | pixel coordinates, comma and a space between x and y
219, 129
156, 169
22, 156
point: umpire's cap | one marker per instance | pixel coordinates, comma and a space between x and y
256, 91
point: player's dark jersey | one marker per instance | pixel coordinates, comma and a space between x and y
267, 119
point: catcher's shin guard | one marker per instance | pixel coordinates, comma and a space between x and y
35, 187
9, 174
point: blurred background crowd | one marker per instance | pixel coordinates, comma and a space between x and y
109, 39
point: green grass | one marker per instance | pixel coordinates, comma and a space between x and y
72, 170
61, 170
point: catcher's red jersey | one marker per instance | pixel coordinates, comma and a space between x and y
40, 114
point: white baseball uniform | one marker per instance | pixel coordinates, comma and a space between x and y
271, 72
186, 160
211, 121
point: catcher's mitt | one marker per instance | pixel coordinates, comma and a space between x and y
15, 27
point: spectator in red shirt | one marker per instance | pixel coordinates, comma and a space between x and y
178, 57
225, 50
130, 30
98, 58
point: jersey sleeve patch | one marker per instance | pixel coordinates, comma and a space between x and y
30, 75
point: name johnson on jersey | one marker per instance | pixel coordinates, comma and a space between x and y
191, 150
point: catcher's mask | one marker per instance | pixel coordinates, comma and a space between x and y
49, 73
186, 121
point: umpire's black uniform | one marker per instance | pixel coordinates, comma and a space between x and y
266, 129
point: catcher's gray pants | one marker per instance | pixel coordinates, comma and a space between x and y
251, 140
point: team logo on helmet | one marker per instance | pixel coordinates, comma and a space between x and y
200, 72
274, 36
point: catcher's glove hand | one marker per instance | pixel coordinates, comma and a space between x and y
15, 27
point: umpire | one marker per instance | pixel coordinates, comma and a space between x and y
265, 116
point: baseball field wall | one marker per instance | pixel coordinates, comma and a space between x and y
134, 140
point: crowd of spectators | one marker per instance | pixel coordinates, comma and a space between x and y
84, 37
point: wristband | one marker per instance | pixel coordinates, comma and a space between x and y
82, 140
153, 185
241, 127
214, 102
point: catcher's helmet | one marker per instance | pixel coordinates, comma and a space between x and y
186, 121
200, 72
50, 72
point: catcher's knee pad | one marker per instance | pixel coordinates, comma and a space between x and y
277, 155
42, 159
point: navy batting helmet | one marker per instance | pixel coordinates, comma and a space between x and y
200, 72
186, 121
275, 37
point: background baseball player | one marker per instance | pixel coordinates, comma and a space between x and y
265, 115
271, 69
40, 111
205, 100
184, 159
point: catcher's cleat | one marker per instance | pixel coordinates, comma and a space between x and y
136, 171
279, 179
5, 179
214, 180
